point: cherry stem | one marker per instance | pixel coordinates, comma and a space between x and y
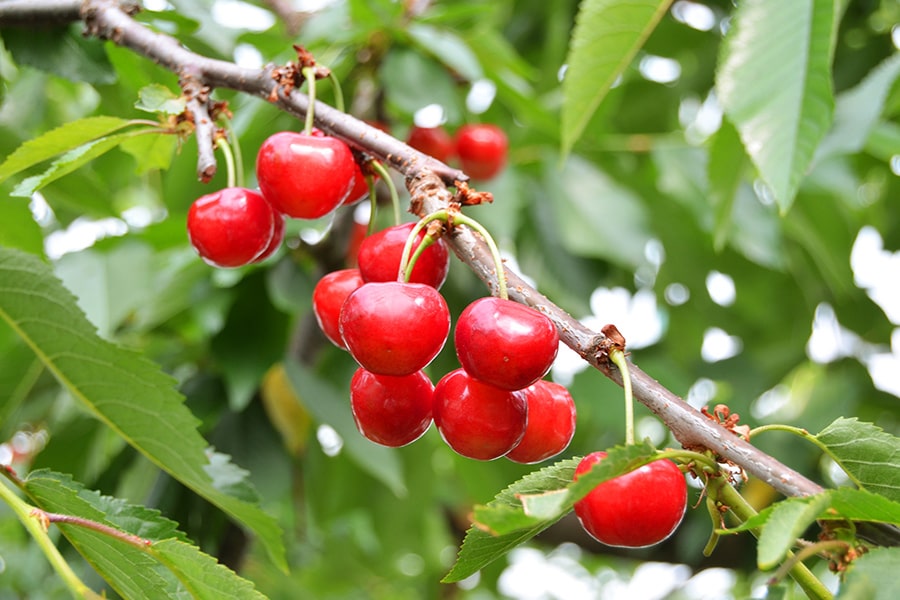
459, 218
338, 92
310, 75
395, 197
804, 553
33, 521
235, 146
618, 358
408, 261
230, 168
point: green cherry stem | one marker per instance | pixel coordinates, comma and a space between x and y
338, 92
618, 358
230, 168
34, 521
234, 144
310, 75
395, 197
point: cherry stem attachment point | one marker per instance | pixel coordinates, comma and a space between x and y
617, 357
310, 75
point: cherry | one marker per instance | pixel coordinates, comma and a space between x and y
394, 328
328, 297
305, 176
360, 187
505, 343
379, 257
551, 423
231, 227
277, 238
391, 411
482, 150
634, 510
433, 141
478, 420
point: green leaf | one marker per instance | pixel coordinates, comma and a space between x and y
135, 572
869, 455
534, 503
156, 98
725, 173
67, 163
63, 138
873, 576
447, 47
774, 83
152, 150
63, 51
858, 110
18, 229
332, 407
607, 36
412, 81
786, 523
128, 393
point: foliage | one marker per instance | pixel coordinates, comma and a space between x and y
684, 144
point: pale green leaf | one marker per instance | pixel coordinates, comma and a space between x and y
786, 523
157, 98
67, 163
18, 229
607, 36
152, 151
121, 388
448, 48
869, 455
774, 83
725, 173
201, 574
59, 140
873, 576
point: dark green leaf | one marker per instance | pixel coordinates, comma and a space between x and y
62, 51
774, 83
63, 138
121, 388
867, 453
607, 36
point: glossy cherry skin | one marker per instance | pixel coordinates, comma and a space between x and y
391, 411
637, 509
305, 176
482, 150
393, 328
478, 420
379, 257
231, 227
551, 423
433, 141
328, 298
505, 343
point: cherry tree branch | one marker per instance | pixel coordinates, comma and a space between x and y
427, 180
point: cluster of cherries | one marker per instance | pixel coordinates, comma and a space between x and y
307, 176
496, 404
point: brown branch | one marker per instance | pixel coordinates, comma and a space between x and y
428, 179
204, 127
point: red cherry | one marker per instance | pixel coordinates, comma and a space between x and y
637, 509
379, 257
328, 297
305, 176
433, 141
478, 420
551, 423
360, 188
482, 150
277, 238
231, 227
393, 328
391, 411
505, 343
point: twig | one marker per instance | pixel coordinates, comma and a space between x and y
204, 127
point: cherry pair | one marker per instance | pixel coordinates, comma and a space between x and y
481, 148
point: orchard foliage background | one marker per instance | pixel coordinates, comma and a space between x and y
720, 182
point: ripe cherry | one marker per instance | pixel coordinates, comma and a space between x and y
481, 149
394, 328
231, 227
305, 176
379, 257
277, 238
328, 297
634, 510
551, 423
478, 420
505, 343
391, 411
433, 141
